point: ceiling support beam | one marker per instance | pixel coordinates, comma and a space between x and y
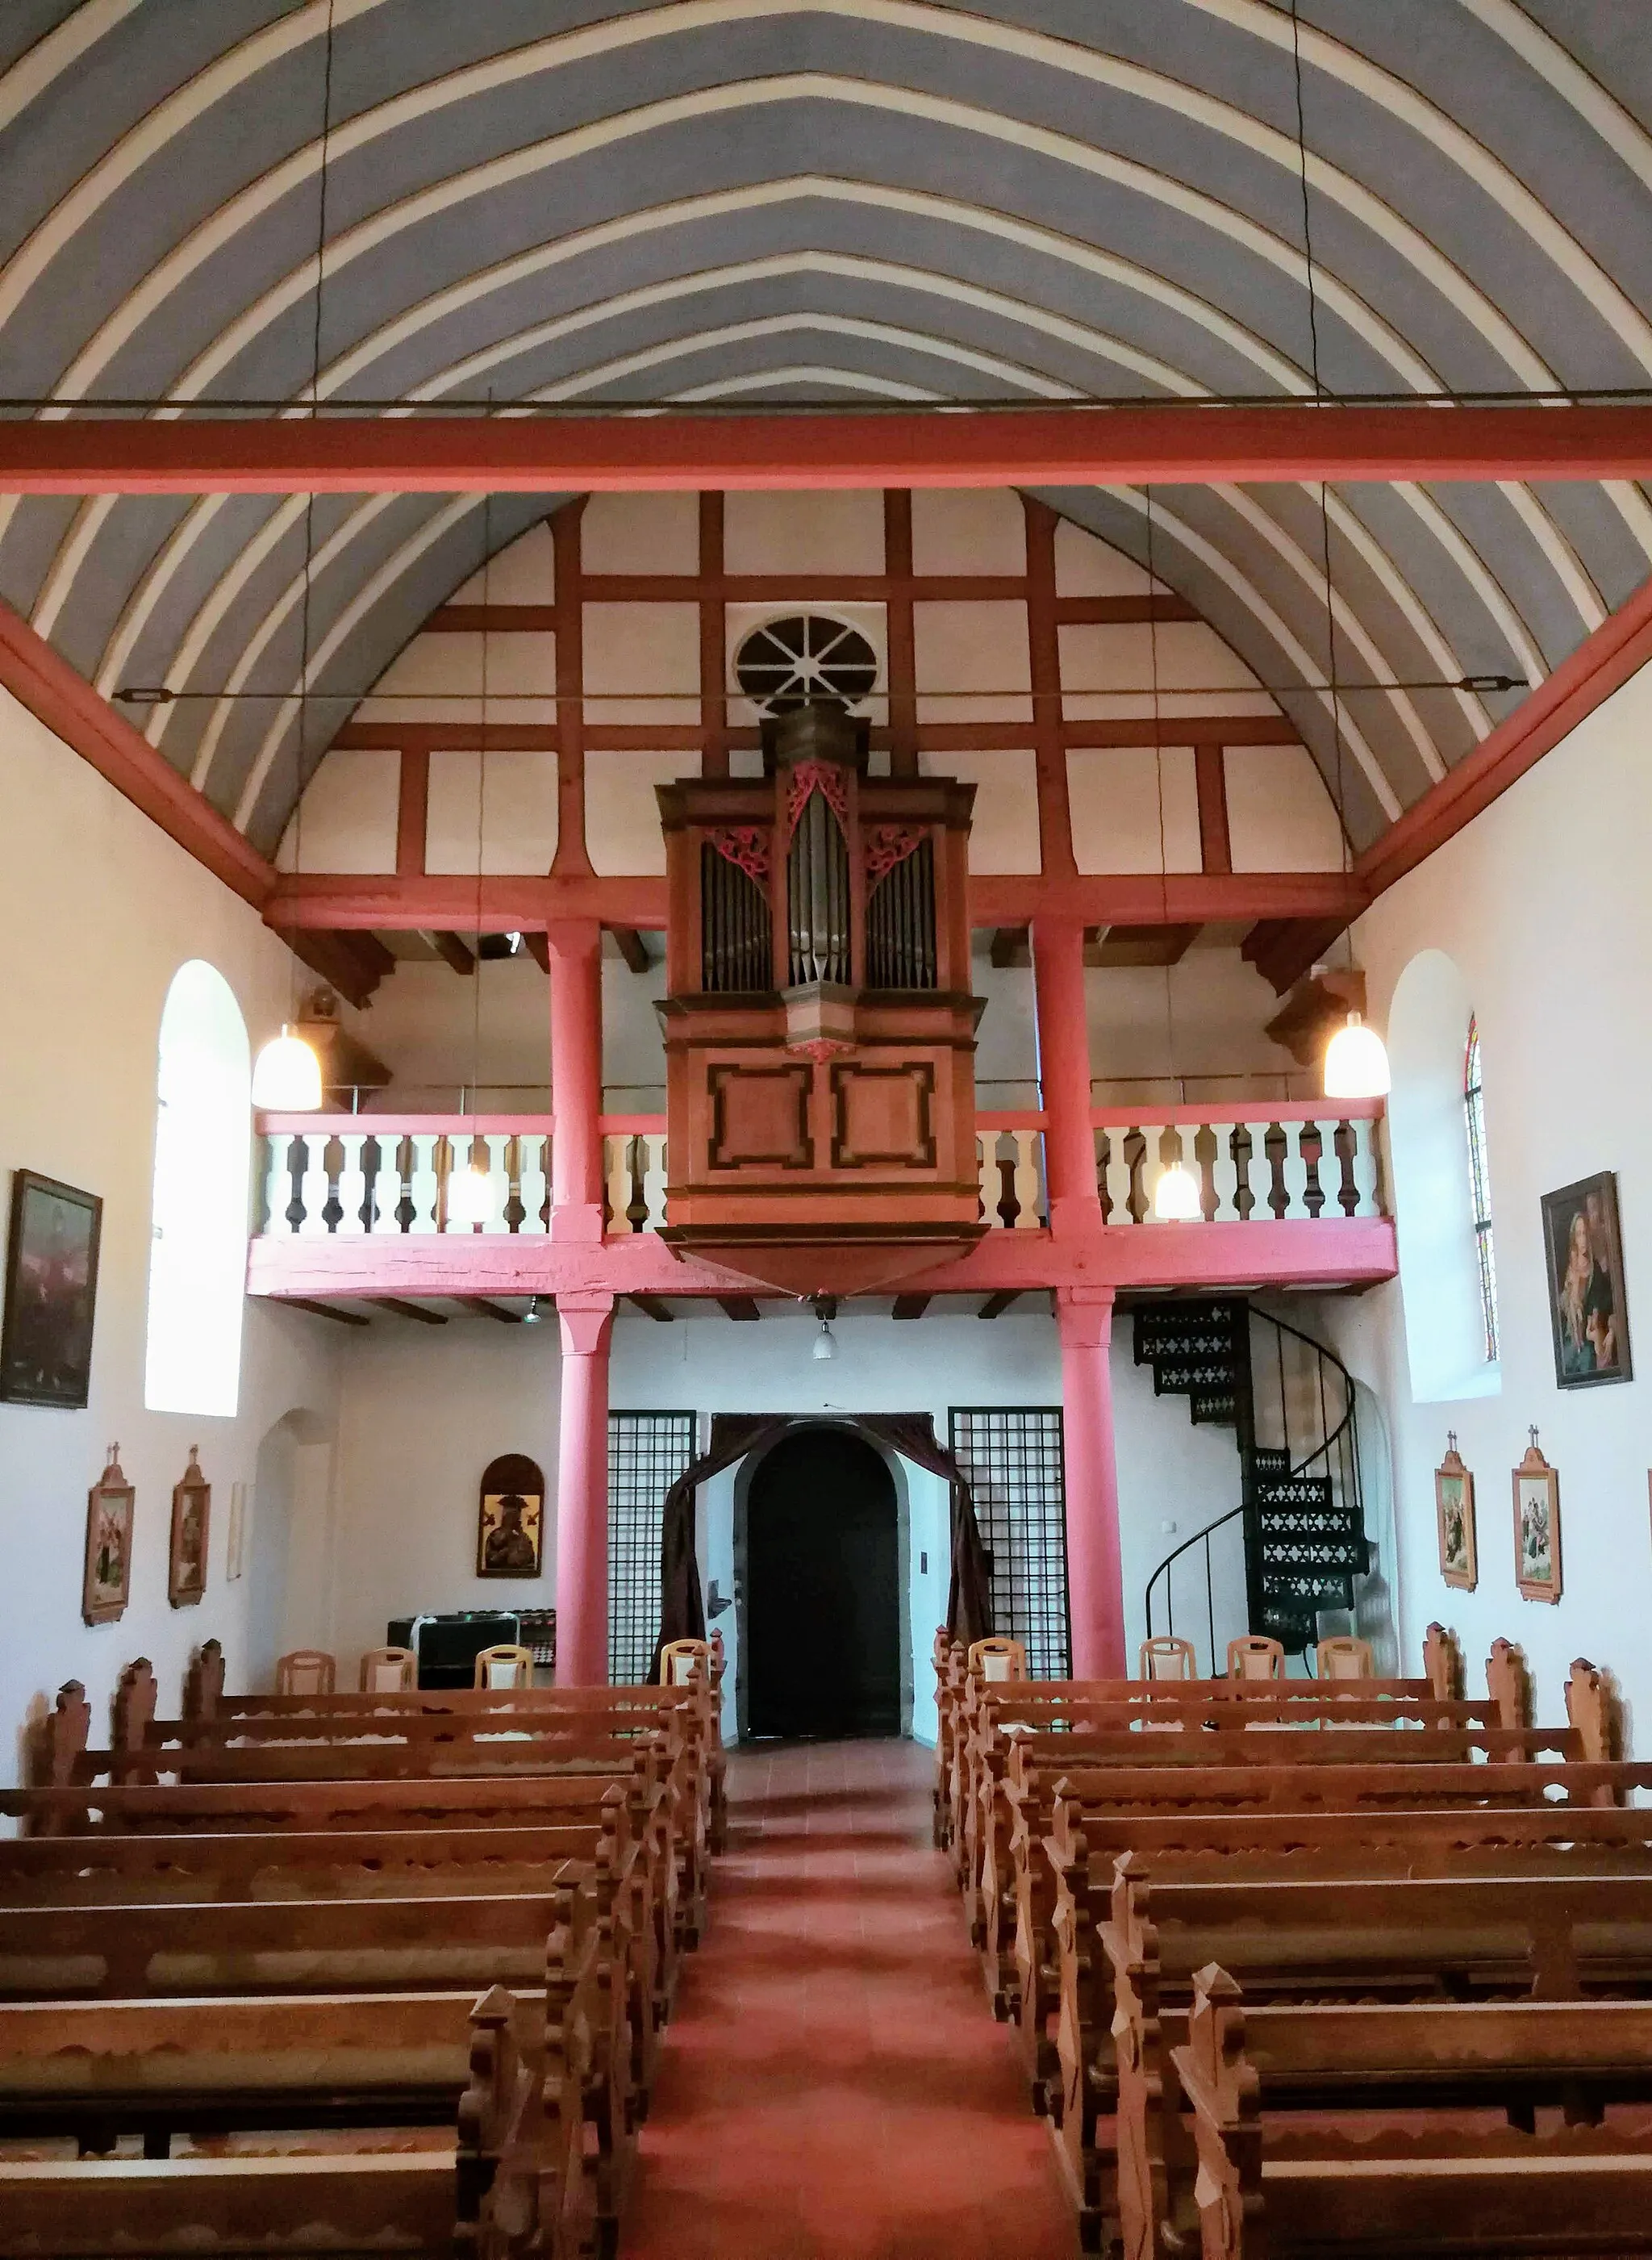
486, 1309
996, 1305
911, 1307
450, 950
632, 947
1012, 945
1172, 444
69, 707
327, 1311
652, 1306
742, 1307
404, 1310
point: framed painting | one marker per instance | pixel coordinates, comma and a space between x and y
1588, 1312
46, 1340
1536, 1526
1454, 1512
106, 1579
186, 1560
511, 1518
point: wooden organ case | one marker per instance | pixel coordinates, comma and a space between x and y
819, 1030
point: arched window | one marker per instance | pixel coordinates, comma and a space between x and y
197, 1263
1479, 1187
1439, 1181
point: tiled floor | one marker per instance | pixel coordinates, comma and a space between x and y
831, 2082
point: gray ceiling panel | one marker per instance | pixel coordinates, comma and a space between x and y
1087, 194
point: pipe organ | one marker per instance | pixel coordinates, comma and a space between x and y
820, 1028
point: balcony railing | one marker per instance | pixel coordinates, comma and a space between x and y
350, 1175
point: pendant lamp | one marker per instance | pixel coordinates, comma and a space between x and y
287, 1076
1356, 1062
826, 1342
469, 1196
1175, 1197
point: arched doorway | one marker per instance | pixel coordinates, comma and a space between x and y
822, 1589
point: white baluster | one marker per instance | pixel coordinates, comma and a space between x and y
497, 1144
352, 1184
653, 1177
1117, 1175
313, 1186
1029, 1207
423, 1184
1225, 1174
616, 1176
1295, 1171
1330, 1170
534, 1160
1365, 1170
387, 1184
987, 1166
1154, 1164
278, 1185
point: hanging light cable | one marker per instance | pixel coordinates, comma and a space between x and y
1176, 1192
470, 1189
1355, 1059
287, 1073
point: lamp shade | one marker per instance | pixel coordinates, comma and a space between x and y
1176, 1198
287, 1076
825, 1344
1356, 1062
469, 1196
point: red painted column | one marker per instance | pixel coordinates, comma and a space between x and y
582, 1492
1063, 1073
575, 949
1095, 1574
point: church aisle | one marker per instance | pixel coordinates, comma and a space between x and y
831, 2082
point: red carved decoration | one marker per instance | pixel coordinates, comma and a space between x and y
746, 846
886, 845
819, 1047
824, 777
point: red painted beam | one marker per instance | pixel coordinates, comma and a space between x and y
1177, 444
527, 904
1325, 1252
1616, 650
69, 707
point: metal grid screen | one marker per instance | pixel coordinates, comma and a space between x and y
647, 1453
1012, 1456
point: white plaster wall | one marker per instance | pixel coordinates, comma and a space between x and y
423, 1411
1542, 904
97, 911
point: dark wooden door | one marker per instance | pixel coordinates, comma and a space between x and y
822, 1589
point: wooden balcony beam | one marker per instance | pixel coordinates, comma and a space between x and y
742, 1308
406, 1309
486, 1309
996, 1305
632, 947
1171, 444
652, 1306
911, 1307
451, 950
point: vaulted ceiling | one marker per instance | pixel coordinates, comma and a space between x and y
851, 201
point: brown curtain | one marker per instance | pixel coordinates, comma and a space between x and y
734, 1434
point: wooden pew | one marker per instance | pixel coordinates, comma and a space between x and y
1256, 2190
1574, 1848
509, 2076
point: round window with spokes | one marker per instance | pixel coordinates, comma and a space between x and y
806, 658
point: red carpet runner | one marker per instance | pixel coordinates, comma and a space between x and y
832, 2082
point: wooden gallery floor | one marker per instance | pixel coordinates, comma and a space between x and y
832, 2082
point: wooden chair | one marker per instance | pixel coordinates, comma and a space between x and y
683, 1660
1255, 1656
1168, 1657
1345, 1656
998, 1659
388, 1671
504, 1666
305, 1671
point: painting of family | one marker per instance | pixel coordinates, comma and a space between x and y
1587, 1310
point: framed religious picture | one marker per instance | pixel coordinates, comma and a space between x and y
1536, 1526
510, 1521
192, 1508
1588, 1313
1454, 1511
106, 1580
46, 1342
